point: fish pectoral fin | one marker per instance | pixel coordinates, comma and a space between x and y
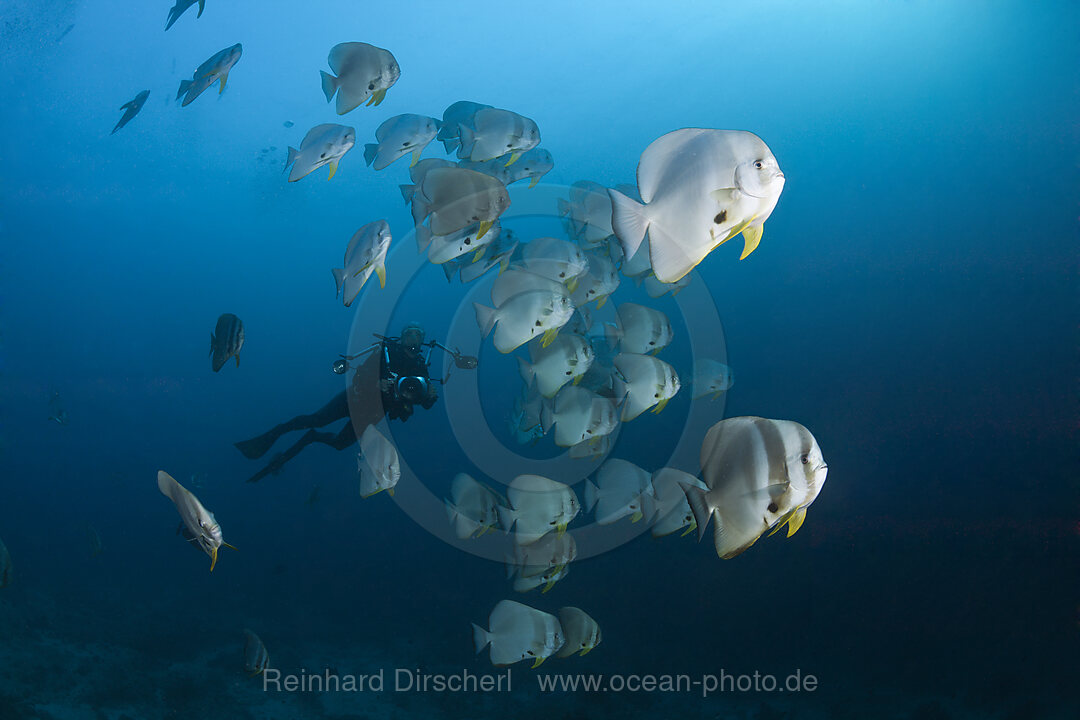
513, 159
333, 169
549, 336
751, 239
483, 227
726, 196
796, 521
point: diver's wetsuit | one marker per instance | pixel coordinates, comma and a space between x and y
368, 405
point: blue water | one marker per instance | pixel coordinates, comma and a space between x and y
913, 303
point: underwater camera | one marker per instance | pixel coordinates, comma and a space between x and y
412, 389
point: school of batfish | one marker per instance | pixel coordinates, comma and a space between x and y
696, 189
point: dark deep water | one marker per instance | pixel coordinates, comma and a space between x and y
913, 303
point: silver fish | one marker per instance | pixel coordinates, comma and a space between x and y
580, 631
519, 632
761, 475
364, 72
365, 254
213, 70
198, 521
458, 114
256, 658
455, 198
700, 187
495, 132
5, 566
398, 136
323, 144
131, 109
226, 340
180, 8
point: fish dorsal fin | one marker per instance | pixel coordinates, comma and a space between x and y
657, 162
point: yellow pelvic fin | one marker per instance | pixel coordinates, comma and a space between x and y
538, 662
572, 283
513, 159
725, 196
736, 230
560, 529
660, 406
549, 336
231, 547
751, 238
479, 254
376, 97
689, 528
586, 651
716, 395
780, 524
796, 521
550, 584
601, 301
333, 169
483, 227
416, 156
636, 517
390, 492
224, 79
213, 558
380, 272
577, 379
532, 183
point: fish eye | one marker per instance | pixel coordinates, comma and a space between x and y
772, 507
758, 164
805, 459
371, 86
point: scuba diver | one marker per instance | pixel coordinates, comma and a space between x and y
392, 380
